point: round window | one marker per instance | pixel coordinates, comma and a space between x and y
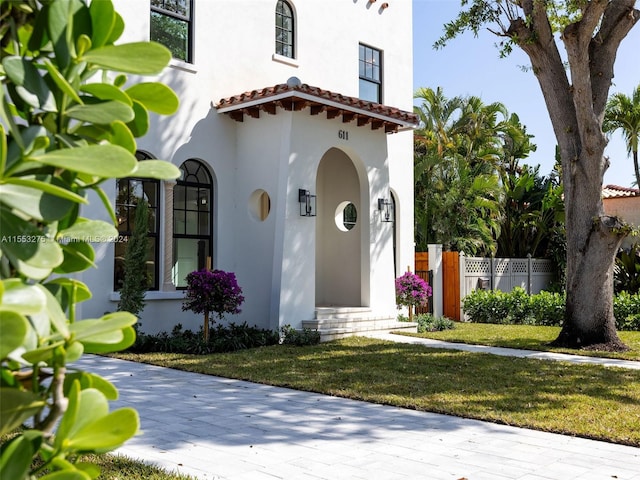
346, 216
260, 205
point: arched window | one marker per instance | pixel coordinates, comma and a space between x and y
285, 29
129, 192
192, 221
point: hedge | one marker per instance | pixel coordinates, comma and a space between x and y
545, 308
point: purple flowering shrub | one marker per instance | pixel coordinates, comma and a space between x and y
411, 290
213, 291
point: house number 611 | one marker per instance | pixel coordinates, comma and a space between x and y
343, 135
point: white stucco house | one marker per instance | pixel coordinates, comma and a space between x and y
294, 136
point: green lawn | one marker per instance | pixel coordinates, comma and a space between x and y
584, 400
526, 337
117, 467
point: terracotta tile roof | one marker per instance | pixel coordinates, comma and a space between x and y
614, 191
296, 96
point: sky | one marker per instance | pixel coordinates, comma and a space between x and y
471, 66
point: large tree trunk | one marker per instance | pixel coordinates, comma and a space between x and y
592, 243
576, 110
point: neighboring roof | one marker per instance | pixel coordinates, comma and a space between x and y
296, 96
614, 191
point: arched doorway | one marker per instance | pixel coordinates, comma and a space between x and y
341, 224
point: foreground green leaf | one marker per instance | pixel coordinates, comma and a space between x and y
105, 161
14, 331
17, 406
145, 58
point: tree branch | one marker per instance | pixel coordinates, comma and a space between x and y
617, 21
60, 402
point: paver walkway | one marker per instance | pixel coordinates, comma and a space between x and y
508, 352
216, 428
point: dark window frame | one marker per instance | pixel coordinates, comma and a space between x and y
188, 19
154, 236
364, 64
189, 179
282, 46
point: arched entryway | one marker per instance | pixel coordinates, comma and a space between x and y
341, 226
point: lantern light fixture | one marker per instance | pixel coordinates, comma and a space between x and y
385, 207
307, 203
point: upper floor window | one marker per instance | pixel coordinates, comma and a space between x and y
370, 66
284, 29
172, 25
129, 192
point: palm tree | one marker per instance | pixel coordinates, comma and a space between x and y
623, 113
458, 199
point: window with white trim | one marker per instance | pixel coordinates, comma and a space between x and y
370, 72
172, 26
129, 192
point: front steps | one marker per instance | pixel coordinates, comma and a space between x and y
341, 322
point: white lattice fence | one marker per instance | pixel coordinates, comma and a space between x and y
531, 274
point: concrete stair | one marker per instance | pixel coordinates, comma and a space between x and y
341, 322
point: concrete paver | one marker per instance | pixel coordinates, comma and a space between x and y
216, 428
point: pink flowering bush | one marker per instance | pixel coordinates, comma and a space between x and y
213, 291
411, 290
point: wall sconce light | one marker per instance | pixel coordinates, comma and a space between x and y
307, 203
385, 207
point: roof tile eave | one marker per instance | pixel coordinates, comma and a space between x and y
615, 191
263, 95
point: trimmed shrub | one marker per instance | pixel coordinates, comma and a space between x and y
486, 306
291, 336
222, 339
548, 308
428, 323
545, 308
626, 309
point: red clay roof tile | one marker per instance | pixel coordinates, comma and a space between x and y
614, 191
292, 96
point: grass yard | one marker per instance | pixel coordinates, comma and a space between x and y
525, 337
115, 467
583, 400
118, 467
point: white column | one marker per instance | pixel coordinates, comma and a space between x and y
167, 282
435, 265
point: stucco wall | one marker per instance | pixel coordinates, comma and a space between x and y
274, 259
627, 208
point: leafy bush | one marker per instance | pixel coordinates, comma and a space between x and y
69, 123
548, 308
487, 306
544, 308
228, 338
627, 270
626, 309
428, 323
291, 336
514, 308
